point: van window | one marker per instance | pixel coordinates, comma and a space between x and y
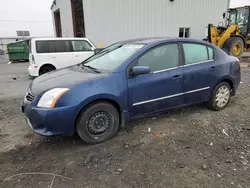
53, 46
62, 46
42, 47
81, 46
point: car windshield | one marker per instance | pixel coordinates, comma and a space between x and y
111, 57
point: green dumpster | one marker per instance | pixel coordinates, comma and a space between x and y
18, 51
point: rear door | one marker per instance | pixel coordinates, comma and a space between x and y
61, 53
200, 72
82, 50
162, 87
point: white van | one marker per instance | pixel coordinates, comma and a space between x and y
47, 54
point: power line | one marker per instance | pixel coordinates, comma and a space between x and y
26, 21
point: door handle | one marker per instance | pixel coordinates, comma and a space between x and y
176, 78
53, 57
212, 69
77, 56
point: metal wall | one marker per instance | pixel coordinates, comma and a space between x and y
66, 17
108, 21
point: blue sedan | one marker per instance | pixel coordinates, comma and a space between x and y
129, 80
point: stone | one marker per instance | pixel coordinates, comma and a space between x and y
204, 167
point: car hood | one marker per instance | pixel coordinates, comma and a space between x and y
63, 78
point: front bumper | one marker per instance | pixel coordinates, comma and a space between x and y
50, 122
33, 70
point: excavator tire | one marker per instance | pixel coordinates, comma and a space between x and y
234, 46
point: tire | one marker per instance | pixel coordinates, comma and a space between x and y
213, 102
98, 123
234, 46
45, 69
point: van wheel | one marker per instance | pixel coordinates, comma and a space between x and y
220, 96
45, 69
98, 123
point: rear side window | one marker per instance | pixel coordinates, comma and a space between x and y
81, 46
55, 46
42, 47
195, 53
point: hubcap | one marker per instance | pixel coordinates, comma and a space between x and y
222, 96
237, 49
99, 123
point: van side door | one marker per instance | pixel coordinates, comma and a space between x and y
61, 53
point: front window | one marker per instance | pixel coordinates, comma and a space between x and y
232, 17
160, 58
111, 57
81, 46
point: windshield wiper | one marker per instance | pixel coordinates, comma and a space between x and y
92, 68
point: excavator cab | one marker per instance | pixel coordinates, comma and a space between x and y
241, 17
234, 37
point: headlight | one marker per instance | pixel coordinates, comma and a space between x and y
49, 99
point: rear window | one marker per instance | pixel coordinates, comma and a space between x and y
51, 46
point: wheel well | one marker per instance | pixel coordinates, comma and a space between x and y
45, 65
239, 36
229, 82
112, 102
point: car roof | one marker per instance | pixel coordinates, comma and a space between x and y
155, 40
59, 38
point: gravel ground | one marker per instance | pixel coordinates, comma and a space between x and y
197, 147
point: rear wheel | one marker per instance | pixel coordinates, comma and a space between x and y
45, 69
220, 96
234, 46
98, 123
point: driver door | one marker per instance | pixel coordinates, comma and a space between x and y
162, 87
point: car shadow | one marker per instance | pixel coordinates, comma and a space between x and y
62, 143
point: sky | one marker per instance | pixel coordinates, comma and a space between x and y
32, 15
35, 16
238, 3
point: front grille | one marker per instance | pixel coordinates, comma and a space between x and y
29, 96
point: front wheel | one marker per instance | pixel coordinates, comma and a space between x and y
220, 96
234, 46
98, 123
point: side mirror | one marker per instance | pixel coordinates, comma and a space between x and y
139, 70
224, 15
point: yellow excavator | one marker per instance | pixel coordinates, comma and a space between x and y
234, 37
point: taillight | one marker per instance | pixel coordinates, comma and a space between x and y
33, 59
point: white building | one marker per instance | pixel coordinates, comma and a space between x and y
108, 21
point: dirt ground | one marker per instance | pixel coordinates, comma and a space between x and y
197, 147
